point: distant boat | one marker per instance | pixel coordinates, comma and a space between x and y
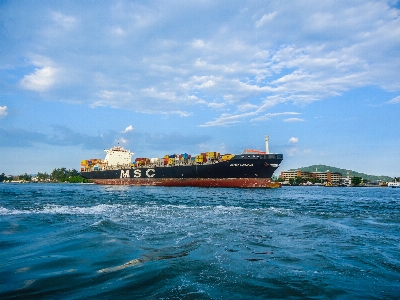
394, 184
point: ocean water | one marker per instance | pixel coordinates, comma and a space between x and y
76, 241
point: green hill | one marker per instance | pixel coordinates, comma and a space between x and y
324, 168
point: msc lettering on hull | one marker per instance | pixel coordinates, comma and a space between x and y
241, 165
125, 174
137, 173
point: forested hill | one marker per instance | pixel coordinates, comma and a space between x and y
324, 168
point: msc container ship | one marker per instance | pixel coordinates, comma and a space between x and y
252, 168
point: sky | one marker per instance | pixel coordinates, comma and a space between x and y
320, 78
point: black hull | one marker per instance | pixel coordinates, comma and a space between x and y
241, 171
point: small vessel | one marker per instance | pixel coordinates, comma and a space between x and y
394, 184
252, 168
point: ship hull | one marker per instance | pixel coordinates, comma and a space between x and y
241, 171
199, 182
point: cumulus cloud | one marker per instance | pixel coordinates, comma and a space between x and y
40, 80
128, 129
3, 111
293, 140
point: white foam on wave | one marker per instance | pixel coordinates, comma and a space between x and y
76, 210
132, 210
283, 211
5, 211
64, 210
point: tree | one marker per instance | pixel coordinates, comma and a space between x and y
59, 174
25, 177
298, 180
356, 180
64, 175
43, 176
77, 179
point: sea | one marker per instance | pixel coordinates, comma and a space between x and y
85, 241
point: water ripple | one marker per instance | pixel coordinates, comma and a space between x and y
88, 241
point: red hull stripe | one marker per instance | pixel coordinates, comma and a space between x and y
197, 182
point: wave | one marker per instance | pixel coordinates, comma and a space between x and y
101, 209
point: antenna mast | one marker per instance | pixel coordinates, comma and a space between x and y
266, 144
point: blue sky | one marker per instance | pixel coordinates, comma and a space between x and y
321, 78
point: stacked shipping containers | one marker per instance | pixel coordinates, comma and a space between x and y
171, 160
93, 163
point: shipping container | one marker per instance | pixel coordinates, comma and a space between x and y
145, 159
141, 161
201, 158
227, 157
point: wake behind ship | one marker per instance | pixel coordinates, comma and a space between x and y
252, 168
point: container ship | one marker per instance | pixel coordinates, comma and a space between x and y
251, 169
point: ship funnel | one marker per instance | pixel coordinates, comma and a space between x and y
266, 144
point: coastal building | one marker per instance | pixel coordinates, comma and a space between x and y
328, 176
287, 175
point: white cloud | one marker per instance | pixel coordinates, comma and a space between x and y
265, 18
200, 82
268, 116
227, 119
198, 44
293, 140
63, 20
293, 120
121, 141
395, 100
149, 59
3, 111
42, 79
128, 129
246, 106
215, 105
291, 151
